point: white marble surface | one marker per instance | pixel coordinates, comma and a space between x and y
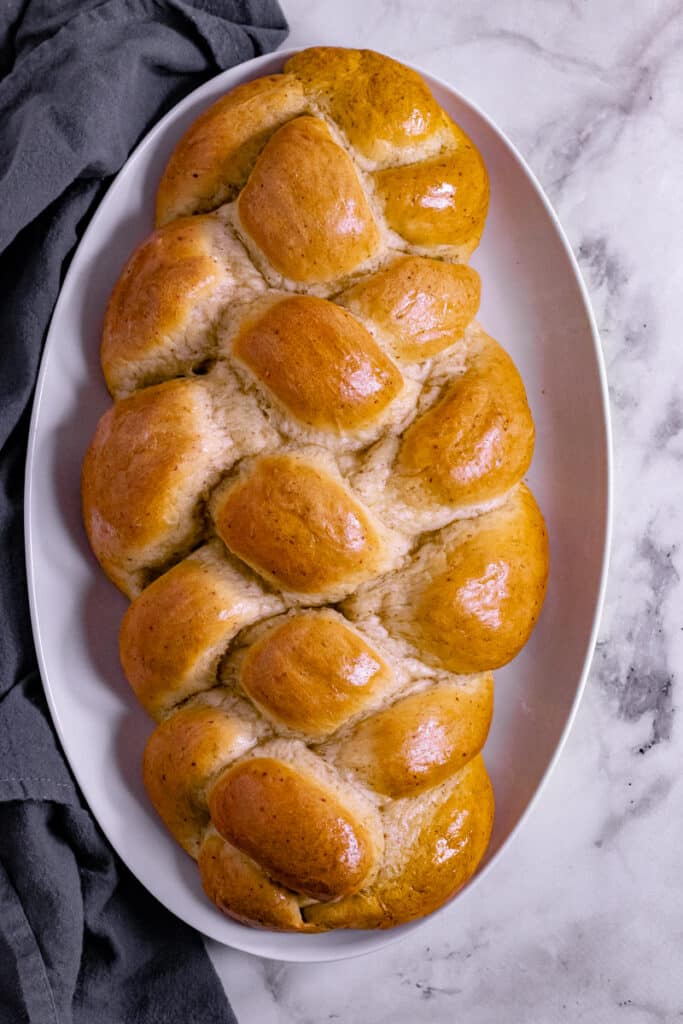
582, 920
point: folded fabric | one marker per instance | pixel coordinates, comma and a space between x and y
81, 81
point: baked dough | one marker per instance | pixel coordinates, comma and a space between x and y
310, 487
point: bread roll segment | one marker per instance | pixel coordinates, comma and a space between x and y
242, 889
319, 361
310, 485
189, 748
438, 202
174, 634
421, 739
311, 672
304, 206
470, 597
477, 441
433, 845
293, 520
168, 300
384, 109
152, 458
213, 159
308, 830
421, 305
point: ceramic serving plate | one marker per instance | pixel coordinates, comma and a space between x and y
534, 302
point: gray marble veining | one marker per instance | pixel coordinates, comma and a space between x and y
582, 920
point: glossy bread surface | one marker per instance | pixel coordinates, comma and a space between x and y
403, 113
141, 473
214, 158
176, 630
442, 201
319, 361
297, 526
182, 752
432, 848
310, 485
422, 305
311, 671
294, 826
304, 205
422, 739
477, 441
470, 602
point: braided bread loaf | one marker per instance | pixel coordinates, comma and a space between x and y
309, 485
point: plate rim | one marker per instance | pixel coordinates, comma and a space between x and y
374, 939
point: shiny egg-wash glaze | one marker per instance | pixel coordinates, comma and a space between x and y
310, 486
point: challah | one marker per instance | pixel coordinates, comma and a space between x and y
310, 486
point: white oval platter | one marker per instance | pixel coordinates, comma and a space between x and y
534, 303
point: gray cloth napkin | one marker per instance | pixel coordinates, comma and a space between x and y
80, 82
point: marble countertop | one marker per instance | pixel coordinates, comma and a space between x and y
582, 919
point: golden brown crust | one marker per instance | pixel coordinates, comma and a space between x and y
213, 159
470, 603
319, 361
140, 477
238, 887
182, 754
297, 526
442, 201
311, 672
423, 305
477, 442
383, 107
433, 848
168, 300
304, 205
296, 828
422, 739
340, 414
176, 630
167, 275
